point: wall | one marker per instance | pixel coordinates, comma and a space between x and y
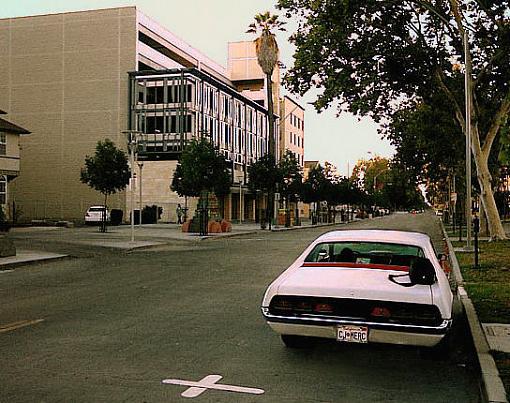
65, 78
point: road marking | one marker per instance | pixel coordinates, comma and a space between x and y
16, 325
209, 382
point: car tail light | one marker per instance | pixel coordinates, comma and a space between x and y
380, 312
283, 305
323, 308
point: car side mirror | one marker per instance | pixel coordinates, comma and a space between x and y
442, 257
422, 271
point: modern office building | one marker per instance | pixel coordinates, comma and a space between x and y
292, 129
9, 164
80, 77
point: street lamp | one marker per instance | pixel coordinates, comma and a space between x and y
140, 166
467, 77
132, 143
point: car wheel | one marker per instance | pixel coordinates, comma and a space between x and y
292, 341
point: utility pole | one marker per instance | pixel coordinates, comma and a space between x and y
467, 76
132, 143
140, 166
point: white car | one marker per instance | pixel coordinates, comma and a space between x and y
94, 214
362, 286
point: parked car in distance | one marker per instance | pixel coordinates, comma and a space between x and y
94, 214
362, 286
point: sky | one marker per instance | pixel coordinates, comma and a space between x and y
208, 25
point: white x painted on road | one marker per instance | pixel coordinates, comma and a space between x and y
209, 382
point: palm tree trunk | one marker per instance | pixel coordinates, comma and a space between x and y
270, 109
271, 142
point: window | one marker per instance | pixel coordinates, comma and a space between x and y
3, 189
365, 253
3, 144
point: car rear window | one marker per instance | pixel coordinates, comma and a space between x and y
365, 253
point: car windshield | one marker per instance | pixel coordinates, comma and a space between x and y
365, 253
98, 209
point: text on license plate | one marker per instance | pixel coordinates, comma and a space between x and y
352, 334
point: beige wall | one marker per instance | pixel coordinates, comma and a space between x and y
156, 179
9, 163
64, 77
245, 72
289, 131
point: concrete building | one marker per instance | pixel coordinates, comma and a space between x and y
292, 129
9, 164
66, 77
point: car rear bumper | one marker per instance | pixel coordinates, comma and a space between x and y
427, 336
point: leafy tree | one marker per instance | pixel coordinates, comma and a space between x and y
376, 56
107, 171
201, 168
401, 190
291, 175
264, 175
267, 57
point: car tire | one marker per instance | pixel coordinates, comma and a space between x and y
292, 341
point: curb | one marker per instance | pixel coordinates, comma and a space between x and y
31, 262
298, 227
491, 386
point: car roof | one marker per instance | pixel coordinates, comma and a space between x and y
96, 207
375, 235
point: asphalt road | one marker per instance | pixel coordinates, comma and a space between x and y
117, 324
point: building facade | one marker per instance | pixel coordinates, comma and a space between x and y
292, 129
9, 165
76, 78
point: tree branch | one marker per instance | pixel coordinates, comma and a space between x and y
485, 68
489, 13
499, 119
458, 111
458, 16
443, 17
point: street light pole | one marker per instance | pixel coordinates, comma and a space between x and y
140, 166
132, 141
240, 201
132, 159
467, 76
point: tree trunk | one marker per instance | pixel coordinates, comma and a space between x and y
484, 226
496, 230
270, 108
103, 215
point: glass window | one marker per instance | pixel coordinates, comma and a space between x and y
365, 253
3, 144
3, 189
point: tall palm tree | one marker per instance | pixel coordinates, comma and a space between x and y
267, 57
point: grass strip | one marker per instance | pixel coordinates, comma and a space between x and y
488, 287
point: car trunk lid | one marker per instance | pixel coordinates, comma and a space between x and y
339, 281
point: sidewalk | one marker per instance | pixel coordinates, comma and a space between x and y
25, 257
486, 337
145, 235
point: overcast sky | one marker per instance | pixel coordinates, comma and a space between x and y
208, 25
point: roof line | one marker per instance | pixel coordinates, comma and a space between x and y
67, 12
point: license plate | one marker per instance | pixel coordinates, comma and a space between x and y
352, 334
